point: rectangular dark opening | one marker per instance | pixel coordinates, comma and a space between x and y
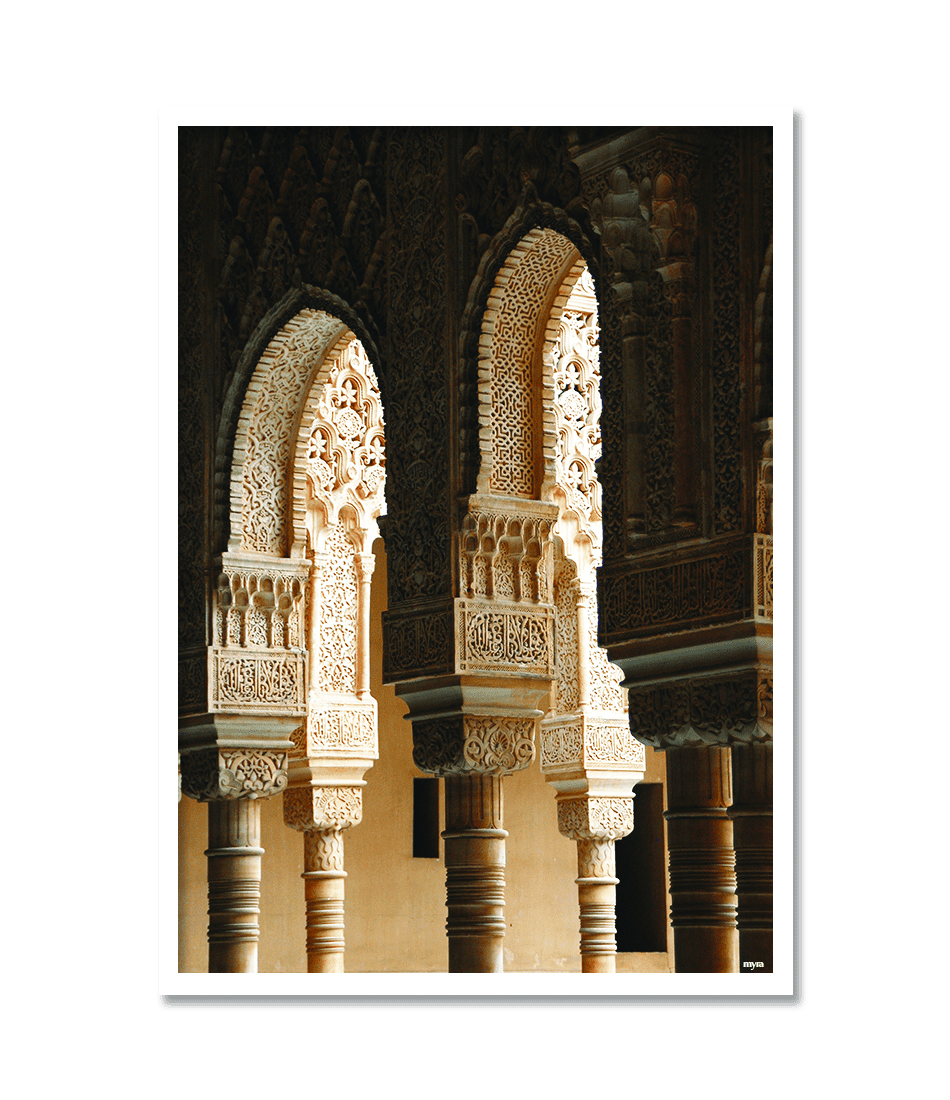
641, 893
425, 818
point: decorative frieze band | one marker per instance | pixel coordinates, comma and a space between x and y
466, 744
417, 643
714, 588
500, 637
704, 712
257, 681
211, 774
338, 728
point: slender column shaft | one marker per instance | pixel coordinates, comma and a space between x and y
583, 645
751, 814
323, 877
702, 860
365, 563
234, 885
597, 894
475, 873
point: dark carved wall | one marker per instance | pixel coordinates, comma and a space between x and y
400, 233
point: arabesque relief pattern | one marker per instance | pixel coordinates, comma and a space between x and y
340, 472
587, 752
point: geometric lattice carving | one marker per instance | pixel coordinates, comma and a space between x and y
507, 358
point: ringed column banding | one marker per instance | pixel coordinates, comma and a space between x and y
751, 814
702, 859
234, 886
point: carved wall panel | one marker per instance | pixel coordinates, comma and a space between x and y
194, 351
258, 664
503, 637
338, 609
419, 642
727, 346
339, 728
598, 741
710, 589
417, 529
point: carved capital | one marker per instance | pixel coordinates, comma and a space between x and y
212, 774
593, 818
309, 808
711, 711
473, 744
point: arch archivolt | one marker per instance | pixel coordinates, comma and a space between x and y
516, 432
261, 492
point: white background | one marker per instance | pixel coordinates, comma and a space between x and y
89, 456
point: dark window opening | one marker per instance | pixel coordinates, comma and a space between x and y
425, 818
641, 893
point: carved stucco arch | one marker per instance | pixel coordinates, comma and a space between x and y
530, 216
236, 419
515, 384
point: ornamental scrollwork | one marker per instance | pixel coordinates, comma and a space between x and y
586, 818
212, 774
331, 807
473, 744
711, 711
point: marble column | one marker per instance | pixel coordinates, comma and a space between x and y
702, 859
751, 814
234, 886
475, 873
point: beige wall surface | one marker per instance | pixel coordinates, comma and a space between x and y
395, 904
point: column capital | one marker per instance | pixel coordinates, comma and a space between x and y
715, 710
213, 774
323, 808
592, 817
473, 744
